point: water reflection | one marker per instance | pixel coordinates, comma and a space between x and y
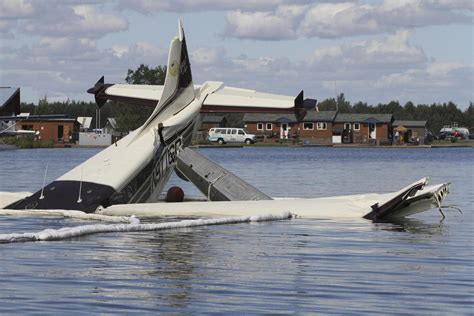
172, 254
411, 225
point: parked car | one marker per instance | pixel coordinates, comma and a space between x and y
443, 135
224, 135
471, 136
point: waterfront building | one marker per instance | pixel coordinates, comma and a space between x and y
315, 127
409, 131
60, 129
357, 128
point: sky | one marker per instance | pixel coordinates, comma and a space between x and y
372, 51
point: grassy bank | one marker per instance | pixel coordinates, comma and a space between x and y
27, 142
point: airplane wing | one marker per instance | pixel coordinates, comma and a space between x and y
224, 99
230, 99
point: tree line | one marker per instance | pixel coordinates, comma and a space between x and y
437, 115
130, 117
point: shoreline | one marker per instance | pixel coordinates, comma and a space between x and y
270, 145
435, 146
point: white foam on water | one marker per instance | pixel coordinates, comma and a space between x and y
133, 226
65, 213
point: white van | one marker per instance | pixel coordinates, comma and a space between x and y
224, 135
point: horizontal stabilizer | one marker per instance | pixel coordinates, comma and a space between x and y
146, 95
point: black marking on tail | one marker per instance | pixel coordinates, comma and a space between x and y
185, 76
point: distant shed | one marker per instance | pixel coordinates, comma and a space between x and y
59, 129
407, 131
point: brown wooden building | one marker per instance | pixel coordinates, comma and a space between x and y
359, 128
59, 130
315, 127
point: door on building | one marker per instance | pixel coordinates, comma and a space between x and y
60, 132
284, 130
372, 131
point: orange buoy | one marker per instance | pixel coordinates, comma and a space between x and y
175, 194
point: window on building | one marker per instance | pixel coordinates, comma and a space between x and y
357, 126
321, 126
347, 126
27, 127
269, 127
308, 126
260, 126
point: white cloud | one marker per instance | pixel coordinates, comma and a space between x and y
342, 19
55, 18
260, 25
148, 6
375, 70
437, 82
15, 9
207, 56
5, 28
66, 67
83, 20
369, 57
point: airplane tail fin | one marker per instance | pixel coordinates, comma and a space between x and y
178, 90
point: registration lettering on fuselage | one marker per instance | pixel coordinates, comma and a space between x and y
166, 159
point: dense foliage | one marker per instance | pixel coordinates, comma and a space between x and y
129, 117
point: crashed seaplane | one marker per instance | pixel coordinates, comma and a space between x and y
128, 176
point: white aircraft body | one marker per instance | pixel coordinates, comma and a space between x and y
136, 168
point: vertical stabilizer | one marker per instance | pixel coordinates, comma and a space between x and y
178, 91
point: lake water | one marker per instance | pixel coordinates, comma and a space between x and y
417, 266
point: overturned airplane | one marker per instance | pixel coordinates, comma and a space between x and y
128, 177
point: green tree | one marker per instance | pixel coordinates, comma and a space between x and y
327, 105
469, 116
343, 105
129, 116
146, 75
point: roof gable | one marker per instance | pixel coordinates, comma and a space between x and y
363, 118
322, 116
212, 119
269, 117
409, 123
